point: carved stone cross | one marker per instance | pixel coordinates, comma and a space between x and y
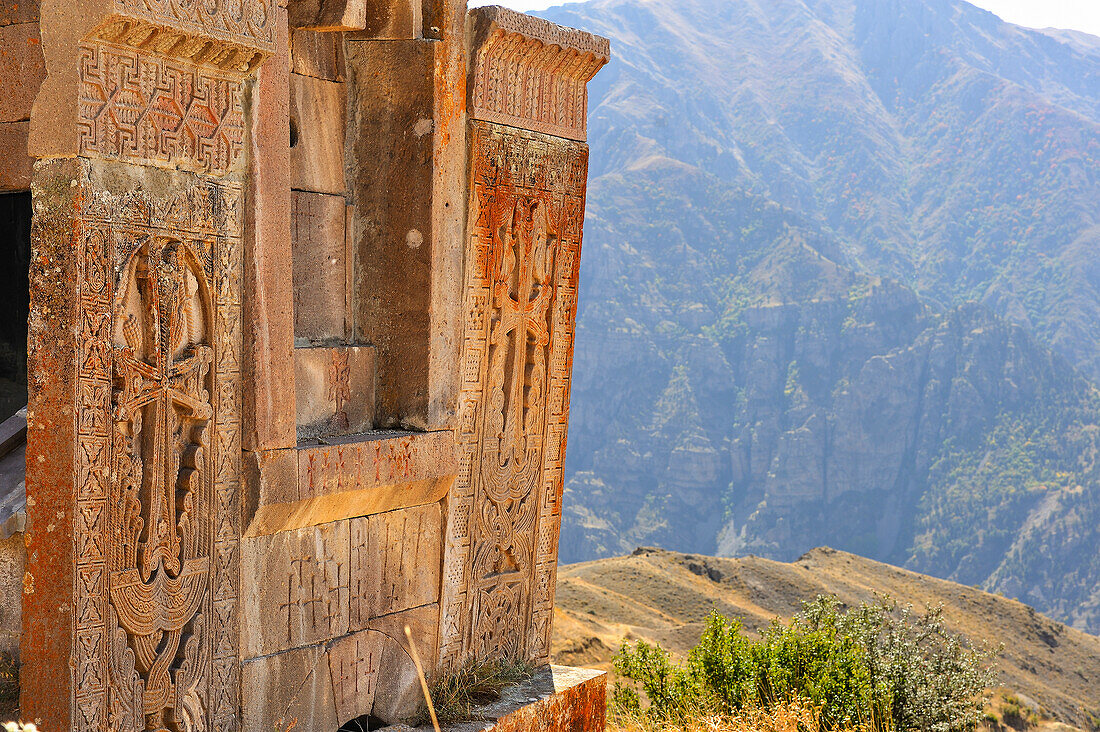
162, 409
522, 294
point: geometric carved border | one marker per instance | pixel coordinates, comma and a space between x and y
207, 213
498, 600
146, 109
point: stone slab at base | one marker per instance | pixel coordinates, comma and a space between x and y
555, 699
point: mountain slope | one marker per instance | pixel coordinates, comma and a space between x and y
839, 289
665, 598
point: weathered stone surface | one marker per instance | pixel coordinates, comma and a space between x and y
13, 558
400, 697
289, 691
317, 54
320, 267
569, 700
555, 698
359, 476
391, 174
355, 464
335, 390
298, 594
15, 174
192, 204
269, 476
22, 69
354, 664
18, 11
526, 209
52, 453
396, 558
317, 120
392, 20
268, 280
335, 506
156, 439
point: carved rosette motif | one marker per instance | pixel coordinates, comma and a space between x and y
157, 505
521, 294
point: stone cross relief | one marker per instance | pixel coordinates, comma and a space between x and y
160, 579
339, 390
511, 467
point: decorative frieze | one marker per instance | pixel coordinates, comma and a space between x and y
530, 73
142, 108
240, 22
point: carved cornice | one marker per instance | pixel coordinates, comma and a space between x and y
182, 45
530, 73
247, 23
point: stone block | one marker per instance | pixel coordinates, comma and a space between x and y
320, 266
396, 558
317, 54
18, 11
13, 559
556, 699
392, 174
22, 69
268, 475
369, 19
296, 591
391, 20
354, 662
289, 691
15, 173
335, 389
268, 279
317, 119
400, 696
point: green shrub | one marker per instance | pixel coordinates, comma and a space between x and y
875, 665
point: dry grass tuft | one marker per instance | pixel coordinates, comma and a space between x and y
456, 694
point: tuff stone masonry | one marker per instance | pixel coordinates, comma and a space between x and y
303, 287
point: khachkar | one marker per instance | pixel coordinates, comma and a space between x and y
528, 171
133, 463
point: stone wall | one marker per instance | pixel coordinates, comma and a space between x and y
300, 346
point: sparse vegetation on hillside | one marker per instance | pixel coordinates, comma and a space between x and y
876, 667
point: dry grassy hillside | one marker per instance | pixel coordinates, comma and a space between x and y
664, 597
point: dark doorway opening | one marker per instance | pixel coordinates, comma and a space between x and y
15, 257
363, 724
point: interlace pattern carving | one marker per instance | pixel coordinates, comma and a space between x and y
161, 555
528, 198
157, 497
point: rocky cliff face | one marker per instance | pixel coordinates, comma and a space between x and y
838, 290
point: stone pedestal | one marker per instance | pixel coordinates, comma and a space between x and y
555, 699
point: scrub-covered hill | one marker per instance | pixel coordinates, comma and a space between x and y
664, 597
840, 288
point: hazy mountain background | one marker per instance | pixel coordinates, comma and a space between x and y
841, 287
